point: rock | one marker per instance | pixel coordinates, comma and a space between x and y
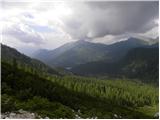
115, 115
32, 114
3, 116
94, 118
156, 115
6, 112
77, 116
12, 115
20, 114
21, 111
46, 118
79, 111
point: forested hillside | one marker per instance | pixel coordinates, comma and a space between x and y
69, 97
140, 63
9, 54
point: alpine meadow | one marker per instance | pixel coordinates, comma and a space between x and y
79, 59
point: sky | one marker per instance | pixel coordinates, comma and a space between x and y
32, 25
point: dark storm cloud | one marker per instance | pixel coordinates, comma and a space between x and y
98, 19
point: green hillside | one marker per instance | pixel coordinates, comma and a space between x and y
9, 54
69, 97
140, 63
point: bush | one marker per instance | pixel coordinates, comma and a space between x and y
7, 103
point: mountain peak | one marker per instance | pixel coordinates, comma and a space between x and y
135, 40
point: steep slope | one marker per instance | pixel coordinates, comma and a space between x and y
80, 52
139, 63
9, 54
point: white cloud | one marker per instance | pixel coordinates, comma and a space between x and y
22, 32
62, 22
55, 40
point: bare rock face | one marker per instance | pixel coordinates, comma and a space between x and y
20, 114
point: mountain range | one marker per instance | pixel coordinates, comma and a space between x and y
75, 53
133, 58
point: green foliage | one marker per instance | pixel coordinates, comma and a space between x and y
121, 92
36, 104
14, 63
58, 96
149, 110
7, 103
45, 108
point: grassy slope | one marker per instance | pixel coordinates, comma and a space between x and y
149, 110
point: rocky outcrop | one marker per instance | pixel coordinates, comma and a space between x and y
156, 115
20, 114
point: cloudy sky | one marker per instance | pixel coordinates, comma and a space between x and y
29, 26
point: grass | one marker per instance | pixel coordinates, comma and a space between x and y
150, 111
